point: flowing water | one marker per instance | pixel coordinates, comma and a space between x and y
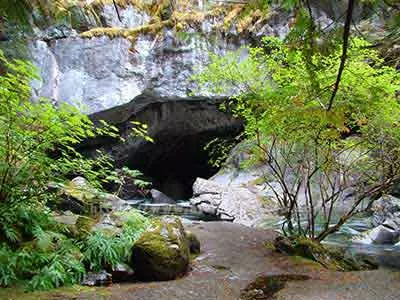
182, 208
384, 255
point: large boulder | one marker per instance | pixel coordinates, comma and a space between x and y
385, 209
80, 197
379, 235
160, 197
234, 203
162, 252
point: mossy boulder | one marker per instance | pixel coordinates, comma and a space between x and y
80, 197
77, 226
162, 252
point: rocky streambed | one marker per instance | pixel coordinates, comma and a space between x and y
234, 263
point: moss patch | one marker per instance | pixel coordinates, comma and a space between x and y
329, 258
130, 34
265, 287
17, 293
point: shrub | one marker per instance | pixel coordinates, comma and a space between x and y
37, 144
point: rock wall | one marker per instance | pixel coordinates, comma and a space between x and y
103, 72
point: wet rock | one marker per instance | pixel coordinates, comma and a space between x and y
382, 235
160, 197
386, 204
194, 243
265, 287
208, 208
162, 252
122, 273
330, 258
97, 279
59, 31
379, 235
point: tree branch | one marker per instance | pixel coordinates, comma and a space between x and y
346, 35
117, 10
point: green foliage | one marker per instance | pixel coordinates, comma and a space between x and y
37, 140
37, 146
219, 149
49, 259
141, 130
104, 249
276, 94
283, 92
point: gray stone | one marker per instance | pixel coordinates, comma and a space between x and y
393, 223
68, 218
130, 17
100, 73
97, 279
382, 235
228, 202
386, 204
207, 208
202, 186
213, 199
160, 197
80, 197
59, 31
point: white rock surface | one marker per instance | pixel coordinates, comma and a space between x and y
228, 202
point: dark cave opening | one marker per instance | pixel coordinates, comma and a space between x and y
174, 170
180, 130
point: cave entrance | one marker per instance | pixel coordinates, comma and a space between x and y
180, 131
174, 170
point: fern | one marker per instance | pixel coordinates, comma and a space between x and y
102, 251
105, 250
7, 266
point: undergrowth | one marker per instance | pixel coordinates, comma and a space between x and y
37, 145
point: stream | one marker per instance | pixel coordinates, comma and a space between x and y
384, 255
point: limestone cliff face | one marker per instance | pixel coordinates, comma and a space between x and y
99, 58
98, 71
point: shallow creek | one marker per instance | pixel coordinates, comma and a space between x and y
384, 255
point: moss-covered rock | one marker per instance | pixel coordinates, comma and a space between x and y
331, 259
194, 243
77, 226
80, 197
162, 252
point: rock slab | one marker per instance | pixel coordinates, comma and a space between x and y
231, 203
